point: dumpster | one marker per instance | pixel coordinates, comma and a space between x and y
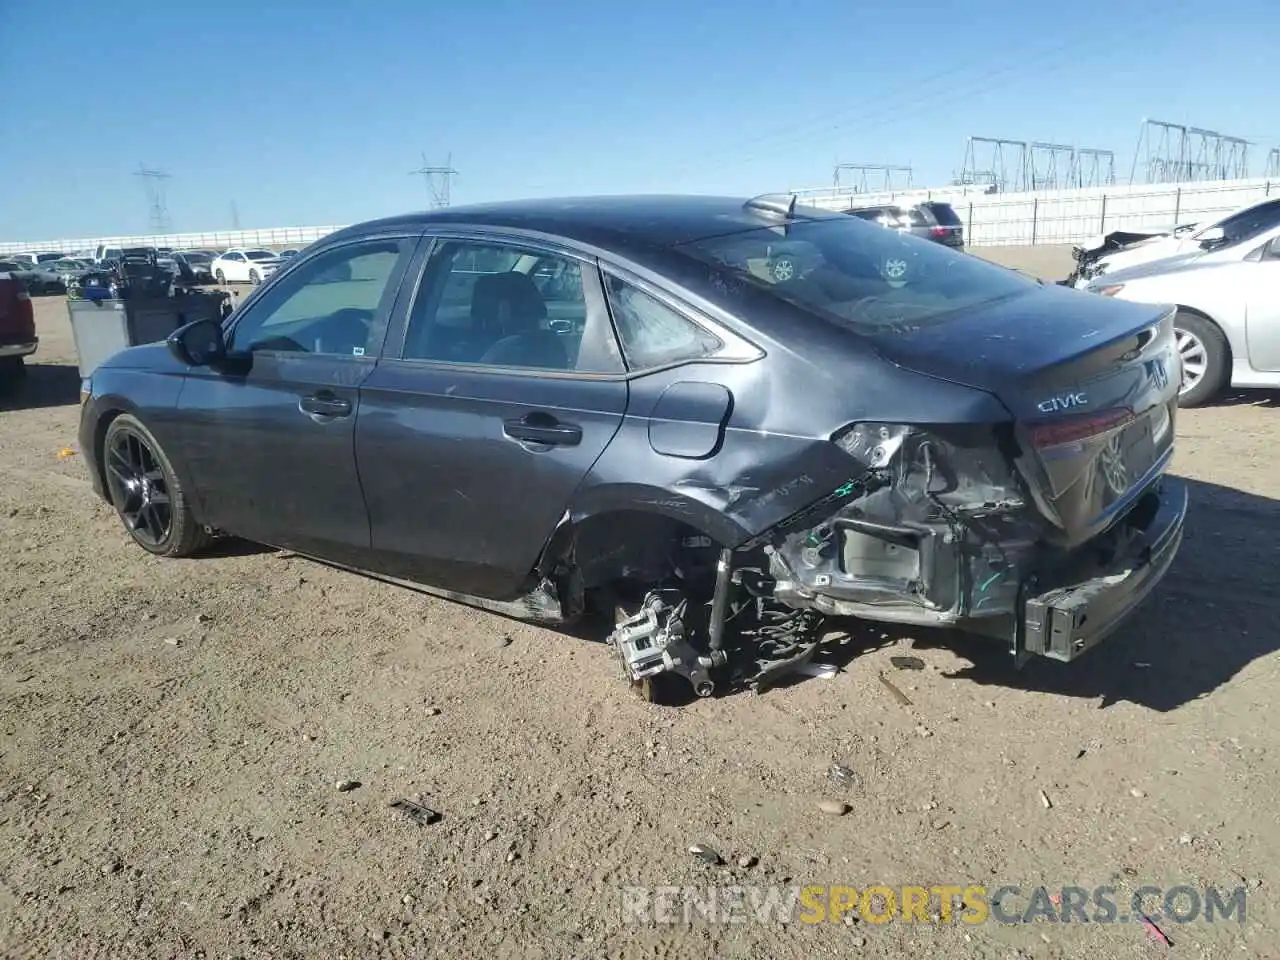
102, 328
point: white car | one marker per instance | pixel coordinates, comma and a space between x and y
1135, 249
245, 266
1228, 320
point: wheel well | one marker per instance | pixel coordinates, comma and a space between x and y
100, 439
633, 545
1226, 341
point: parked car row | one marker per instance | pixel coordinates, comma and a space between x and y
51, 273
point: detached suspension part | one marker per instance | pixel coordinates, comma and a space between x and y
655, 640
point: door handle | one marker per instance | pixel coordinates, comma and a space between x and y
325, 404
543, 428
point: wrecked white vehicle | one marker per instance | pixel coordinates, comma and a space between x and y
1123, 249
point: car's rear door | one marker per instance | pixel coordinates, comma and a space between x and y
270, 448
493, 399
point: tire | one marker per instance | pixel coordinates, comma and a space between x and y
220, 277
138, 474
1203, 349
13, 370
254, 278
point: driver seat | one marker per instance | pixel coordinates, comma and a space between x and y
508, 307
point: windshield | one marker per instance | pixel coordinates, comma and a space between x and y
1247, 224
260, 255
197, 257
860, 275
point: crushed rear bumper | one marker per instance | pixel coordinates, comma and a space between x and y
1068, 619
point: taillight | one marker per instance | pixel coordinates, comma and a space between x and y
939, 231
1073, 429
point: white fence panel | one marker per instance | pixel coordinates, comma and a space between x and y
1068, 216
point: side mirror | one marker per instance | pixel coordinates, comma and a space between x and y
1211, 235
198, 343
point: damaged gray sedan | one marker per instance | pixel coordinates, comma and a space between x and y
546, 407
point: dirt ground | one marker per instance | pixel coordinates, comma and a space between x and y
172, 734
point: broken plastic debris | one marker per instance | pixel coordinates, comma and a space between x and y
897, 694
416, 812
1044, 799
823, 671
706, 854
1156, 933
839, 774
907, 663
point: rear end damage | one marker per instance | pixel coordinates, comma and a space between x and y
1044, 531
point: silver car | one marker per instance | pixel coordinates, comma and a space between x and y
1228, 320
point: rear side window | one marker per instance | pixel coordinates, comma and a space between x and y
945, 214
862, 277
653, 334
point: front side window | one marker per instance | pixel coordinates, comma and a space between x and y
494, 304
329, 305
860, 276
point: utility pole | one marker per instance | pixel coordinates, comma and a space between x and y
235, 216
436, 179
154, 183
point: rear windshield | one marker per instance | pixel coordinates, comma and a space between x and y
944, 213
860, 275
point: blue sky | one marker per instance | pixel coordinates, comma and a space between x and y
313, 113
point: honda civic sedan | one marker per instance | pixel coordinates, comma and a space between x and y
548, 407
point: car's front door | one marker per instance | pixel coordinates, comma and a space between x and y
1262, 309
271, 448
490, 405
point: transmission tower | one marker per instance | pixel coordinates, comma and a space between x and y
1273, 163
437, 180
866, 172
996, 161
1013, 165
1174, 153
1093, 168
154, 183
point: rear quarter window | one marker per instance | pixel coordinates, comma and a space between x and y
863, 277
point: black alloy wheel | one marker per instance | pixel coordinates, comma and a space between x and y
146, 493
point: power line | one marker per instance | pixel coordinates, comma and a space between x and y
973, 86
154, 182
436, 179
